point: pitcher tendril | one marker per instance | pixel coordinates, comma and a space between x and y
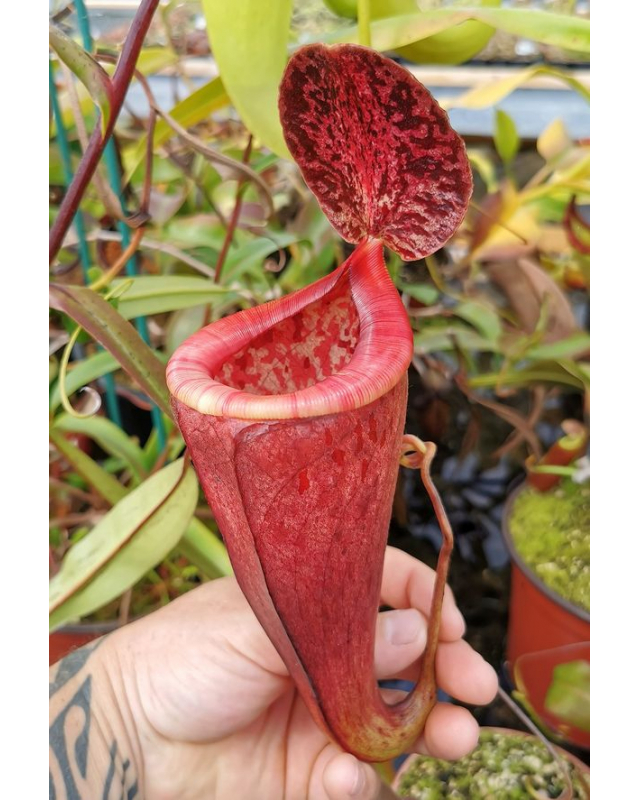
416, 454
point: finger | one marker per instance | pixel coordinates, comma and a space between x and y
346, 778
450, 733
401, 638
464, 674
408, 583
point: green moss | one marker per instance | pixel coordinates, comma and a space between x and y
550, 530
500, 768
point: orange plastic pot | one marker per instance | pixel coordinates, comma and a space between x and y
70, 637
542, 625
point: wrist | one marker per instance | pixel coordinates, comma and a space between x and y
93, 746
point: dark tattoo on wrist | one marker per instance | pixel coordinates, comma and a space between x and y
71, 665
132, 792
68, 778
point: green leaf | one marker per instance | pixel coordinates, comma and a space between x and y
183, 323
155, 294
492, 93
559, 30
83, 372
391, 33
452, 46
544, 372
434, 338
249, 257
86, 69
249, 43
204, 549
188, 112
105, 484
112, 439
130, 540
568, 695
116, 335
483, 318
171, 449
573, 345
505, 136
154, 59
422, 292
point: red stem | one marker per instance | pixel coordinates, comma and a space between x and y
120, 83
233, 221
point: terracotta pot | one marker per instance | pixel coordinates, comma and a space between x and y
541, 626
406, 766
70, 637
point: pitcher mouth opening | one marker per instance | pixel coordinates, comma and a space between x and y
334, 346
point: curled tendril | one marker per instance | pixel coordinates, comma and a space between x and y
416, 454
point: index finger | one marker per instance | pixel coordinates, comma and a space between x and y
408, 583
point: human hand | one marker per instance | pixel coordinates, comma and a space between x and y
205, 708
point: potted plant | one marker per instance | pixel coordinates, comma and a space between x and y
505, 764
546, 530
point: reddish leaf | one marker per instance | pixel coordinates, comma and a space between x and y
375, 148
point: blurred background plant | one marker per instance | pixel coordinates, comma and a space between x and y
194, 211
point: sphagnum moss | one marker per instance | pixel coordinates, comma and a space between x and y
500, 768
550, 531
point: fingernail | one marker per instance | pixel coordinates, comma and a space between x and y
402, 627
358, 780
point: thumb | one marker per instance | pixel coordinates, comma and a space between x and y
346, 778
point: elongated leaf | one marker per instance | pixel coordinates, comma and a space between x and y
483, 318
83, 372
505, 136
204, 549
394, 32
85, 68
573, 345
111, 438
492, 93
105, 484
559, 30
422, 292
119, 337
452, 46
155, 294
434, 338
544, 372
131, 539
188, 112
249, 43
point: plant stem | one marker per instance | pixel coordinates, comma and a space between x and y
364, 23
233, 221
120, 83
